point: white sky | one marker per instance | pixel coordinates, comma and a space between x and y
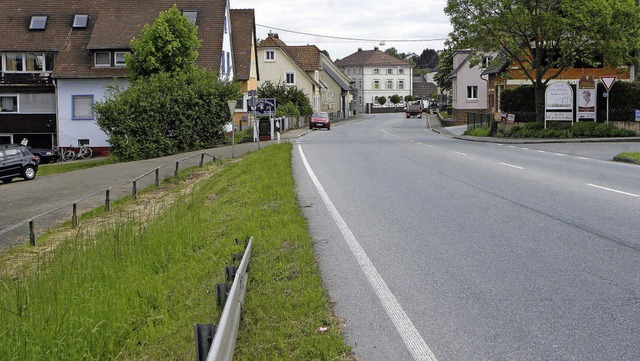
369, 19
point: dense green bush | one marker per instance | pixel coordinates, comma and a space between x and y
284, 94
165, 114
521, 98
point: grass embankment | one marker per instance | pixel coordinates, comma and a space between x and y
134, 289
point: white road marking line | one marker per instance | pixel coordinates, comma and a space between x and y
511, 165
461, 153
559, 154
541, 151
583, 158
429, 145
410, 335
613, 190
525, 148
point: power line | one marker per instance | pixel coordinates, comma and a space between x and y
352, 39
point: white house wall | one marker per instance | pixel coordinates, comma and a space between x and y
70, 130
274, 71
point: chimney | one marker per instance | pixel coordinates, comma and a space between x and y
375, 48
359, 49
273, 35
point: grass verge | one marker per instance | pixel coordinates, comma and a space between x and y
61, 167
631, 157
132, 286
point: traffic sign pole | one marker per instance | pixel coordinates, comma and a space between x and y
608, 81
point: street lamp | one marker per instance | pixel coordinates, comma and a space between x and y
232, 109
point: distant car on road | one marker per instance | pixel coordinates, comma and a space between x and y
17, 161
320, 120
44, 155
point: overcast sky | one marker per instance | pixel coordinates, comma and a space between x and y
373, 20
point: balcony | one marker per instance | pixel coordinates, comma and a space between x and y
25, 79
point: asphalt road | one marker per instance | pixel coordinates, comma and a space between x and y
436, 248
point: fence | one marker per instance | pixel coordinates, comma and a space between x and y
478, 120
104, 196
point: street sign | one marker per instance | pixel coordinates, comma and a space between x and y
266, 106
608, 81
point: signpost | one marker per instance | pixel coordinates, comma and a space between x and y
264, 107
608, 81
586, 98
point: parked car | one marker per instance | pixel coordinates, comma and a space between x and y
44, 155
17, 161
320, 120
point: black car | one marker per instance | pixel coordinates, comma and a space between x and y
44, 155
17, 161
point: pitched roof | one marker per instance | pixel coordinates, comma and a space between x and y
243, 34
307, 56
371, 58
112, 24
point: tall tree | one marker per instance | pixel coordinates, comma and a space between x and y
445, 67
168, 45
545, 37
428, 59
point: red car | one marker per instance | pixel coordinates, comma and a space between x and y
320, 120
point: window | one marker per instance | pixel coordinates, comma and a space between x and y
290, 78
228, 63
38, 23
13, 62
376, 71
400, 84
472, 92
389, 71
82, 107
222, 64
225, 25
389, 84
80, 21
34, 62
9, 103
486, 61
270, 55
376, 84
192, 15
103, 58
119, 58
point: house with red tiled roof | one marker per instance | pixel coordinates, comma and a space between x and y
245, 54
61, 56
375, 74
310, 70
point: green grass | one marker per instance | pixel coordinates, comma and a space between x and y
478, 132
135, 290
61, 167
635, 156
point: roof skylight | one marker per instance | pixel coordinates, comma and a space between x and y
38, 22
80, 21
191, 14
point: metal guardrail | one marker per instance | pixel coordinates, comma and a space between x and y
222, 339
107, 199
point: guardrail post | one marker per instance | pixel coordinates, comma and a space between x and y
157, 177
74, 215
204, 338
177, 168
107, 201
32, 233
230, 272
222, 291
201, 160
134, 191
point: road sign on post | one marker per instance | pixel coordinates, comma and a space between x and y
608, 81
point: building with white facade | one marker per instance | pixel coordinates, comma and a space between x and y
375, 74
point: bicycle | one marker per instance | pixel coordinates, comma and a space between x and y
84, 152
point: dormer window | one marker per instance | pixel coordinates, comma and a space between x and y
38, 22
103, 58
119, 58
191, 14
80, 21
